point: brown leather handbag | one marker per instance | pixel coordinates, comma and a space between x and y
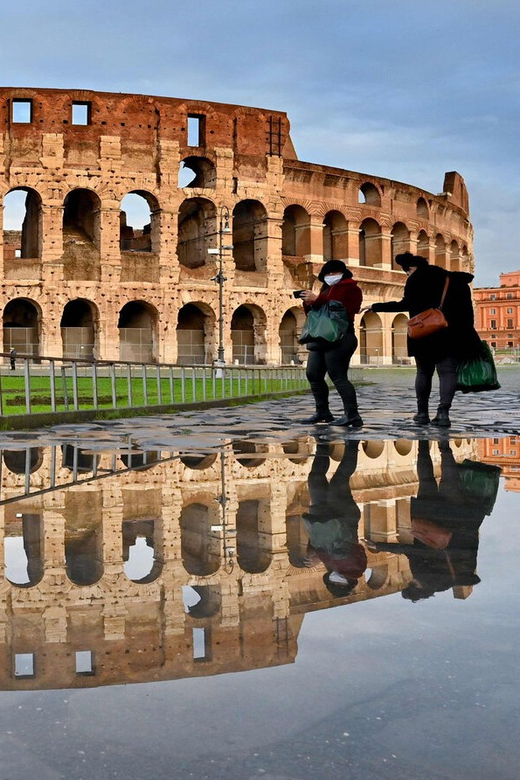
429, 321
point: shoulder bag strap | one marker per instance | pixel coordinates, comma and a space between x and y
446, 283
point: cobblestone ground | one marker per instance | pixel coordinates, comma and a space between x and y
386, 403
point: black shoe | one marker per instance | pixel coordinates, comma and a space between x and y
325, 417
421, 418
442, 419
349, 422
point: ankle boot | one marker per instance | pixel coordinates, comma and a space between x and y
442, 418
325, 417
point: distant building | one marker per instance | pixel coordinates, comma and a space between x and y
497, 312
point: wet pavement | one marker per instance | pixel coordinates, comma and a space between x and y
232, 593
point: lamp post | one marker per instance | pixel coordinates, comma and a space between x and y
223, 229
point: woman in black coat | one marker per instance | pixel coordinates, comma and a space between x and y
444, 350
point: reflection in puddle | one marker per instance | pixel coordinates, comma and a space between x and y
204, 563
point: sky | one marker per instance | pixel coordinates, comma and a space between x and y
396, 88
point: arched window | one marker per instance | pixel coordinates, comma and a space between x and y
371, 339
139, 225
197, 232
369, 194
295, 232
289, 339
200, 548
192, 327
21, 324
137, 332
370, 244
335, 244
422, 208
400, 242
81, 235
252, 554
197, 172
250, 236
22, 224
78, 329
243, 336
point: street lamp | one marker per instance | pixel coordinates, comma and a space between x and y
224, 229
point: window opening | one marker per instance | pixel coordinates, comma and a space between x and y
199, 644
84, 662
195, 130
22, 111
24, 665
81, 113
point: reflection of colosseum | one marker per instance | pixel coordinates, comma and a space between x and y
150, 574
111, 202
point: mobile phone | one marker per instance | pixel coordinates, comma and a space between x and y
298, 293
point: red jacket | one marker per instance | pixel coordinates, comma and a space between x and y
346, 292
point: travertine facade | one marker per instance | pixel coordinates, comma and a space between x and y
243, 556
78, 279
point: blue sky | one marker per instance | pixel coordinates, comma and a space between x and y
395, 88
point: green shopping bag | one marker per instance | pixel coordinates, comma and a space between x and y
478, 374
329, 323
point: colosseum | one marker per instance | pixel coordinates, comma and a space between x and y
174, 231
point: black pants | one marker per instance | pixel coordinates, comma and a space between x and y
447, 371
334, 362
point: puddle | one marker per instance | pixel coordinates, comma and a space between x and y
285, 609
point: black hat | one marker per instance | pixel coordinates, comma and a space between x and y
334, 267
407, 261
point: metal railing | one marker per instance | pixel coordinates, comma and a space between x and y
54, 385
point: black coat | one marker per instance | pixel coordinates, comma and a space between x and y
423, 290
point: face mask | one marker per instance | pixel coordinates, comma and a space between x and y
332, 279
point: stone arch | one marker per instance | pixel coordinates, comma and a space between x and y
209, 600
370, 244
250, 236
297, 450
26, 461
371, 338
195, 324
83, 537
399, 339
248, 334
138, 332
23, 548
288, 333
369, 194
245, 451
197, 231
77, 460
141, 553
139, 222
81, 235
377, 577
21, 327
454, 256
22, 224
421, 208
403, 447
374, 448
423, 244
197, 172
440, 251
400, 240
296, 240
200, 548
197, 462
335, 236
79, 325
252, 556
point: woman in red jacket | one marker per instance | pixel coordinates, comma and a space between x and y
334, 359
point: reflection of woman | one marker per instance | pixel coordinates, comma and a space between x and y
333, 519
334, 359
441, 351
446, 518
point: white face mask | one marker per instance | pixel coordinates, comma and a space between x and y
332, 279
